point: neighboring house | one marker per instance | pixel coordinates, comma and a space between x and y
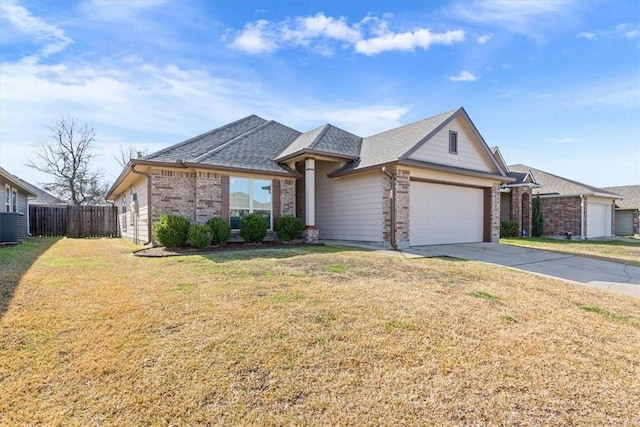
429, 182
14, 211
572, 207
41, 197
627, 210
515, 197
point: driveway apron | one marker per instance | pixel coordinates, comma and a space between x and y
611, 276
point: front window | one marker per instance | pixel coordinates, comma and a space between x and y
247, 196
15, 200
123, 212
7, 198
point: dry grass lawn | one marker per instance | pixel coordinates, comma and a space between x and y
306, 336
627, 251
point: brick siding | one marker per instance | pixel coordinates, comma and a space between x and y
402, 214
198, 195
562, 215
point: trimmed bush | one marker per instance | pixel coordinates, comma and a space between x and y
253, 228
199, 236
220, 231
289, 227
509, 229
538, 219
171, 231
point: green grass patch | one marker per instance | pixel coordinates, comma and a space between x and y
336, 268
398, 324
605, 313
285, 297
509, 319
483, 295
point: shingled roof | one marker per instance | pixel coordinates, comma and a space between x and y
631, 194
249, 143
551, 184
326, 139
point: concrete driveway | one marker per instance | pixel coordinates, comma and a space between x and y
611, 276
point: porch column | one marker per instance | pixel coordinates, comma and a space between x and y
312, 234
310, 192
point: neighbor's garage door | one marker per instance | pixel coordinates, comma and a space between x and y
624, 223
598, 220
442, 214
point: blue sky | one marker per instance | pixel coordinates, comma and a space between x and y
556, 85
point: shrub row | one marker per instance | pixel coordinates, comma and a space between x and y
174, 231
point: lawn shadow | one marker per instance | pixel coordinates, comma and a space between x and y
15, 261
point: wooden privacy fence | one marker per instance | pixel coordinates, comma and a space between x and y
73, 221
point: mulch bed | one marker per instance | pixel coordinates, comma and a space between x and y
161, 251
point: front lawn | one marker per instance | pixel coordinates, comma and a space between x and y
308, 336
627, 251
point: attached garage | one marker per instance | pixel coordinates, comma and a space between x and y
624, 223
442, 213
598, 220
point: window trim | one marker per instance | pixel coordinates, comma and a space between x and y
453, 142
7, 198
251, 208
123, 213
14, 199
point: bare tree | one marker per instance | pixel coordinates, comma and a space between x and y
67, 159
127, 153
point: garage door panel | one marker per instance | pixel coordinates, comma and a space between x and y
598, 220
624, 223
441, 214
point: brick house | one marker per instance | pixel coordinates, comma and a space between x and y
627, 213
429, 182
515, 196
572, 207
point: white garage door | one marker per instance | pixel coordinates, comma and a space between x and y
442, 214
624, 223
598, 220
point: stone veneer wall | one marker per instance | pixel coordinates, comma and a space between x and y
562, 214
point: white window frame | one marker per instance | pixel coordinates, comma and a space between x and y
132, 198
14, 200
124, 212
251, 207
7, 198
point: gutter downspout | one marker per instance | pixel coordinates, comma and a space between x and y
392, 200
149, 228
581, 217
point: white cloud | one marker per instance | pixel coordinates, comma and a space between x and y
524, 17
588, 35
408, 41
255, 38
464, 76
53, 38
320, 32
485, 38
321, 26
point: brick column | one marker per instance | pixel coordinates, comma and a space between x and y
208, 196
